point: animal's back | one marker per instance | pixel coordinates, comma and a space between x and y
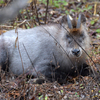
38, 43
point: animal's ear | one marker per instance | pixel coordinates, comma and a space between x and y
81, 19
66, 22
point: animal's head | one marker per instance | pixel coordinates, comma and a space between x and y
75, 35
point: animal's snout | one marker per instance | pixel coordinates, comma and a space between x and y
76, 52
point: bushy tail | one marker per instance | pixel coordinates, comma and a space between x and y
12, 10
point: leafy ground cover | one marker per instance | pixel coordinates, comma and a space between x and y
42, 12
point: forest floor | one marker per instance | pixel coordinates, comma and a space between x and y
78, 88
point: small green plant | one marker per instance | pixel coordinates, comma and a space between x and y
92, 22
67, 12
55, 3
41, 98
2, 2
39, 94
27, 26
25, 17
77, 94
43, 1
46, 98
62, 91
89, 7
73, 10
81, 86
98, 30
85, 9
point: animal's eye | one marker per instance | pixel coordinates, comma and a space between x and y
82, 34
81, 38
67, 36
69, 39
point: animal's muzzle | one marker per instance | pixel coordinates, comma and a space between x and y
76, 52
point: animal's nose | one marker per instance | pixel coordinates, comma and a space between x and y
76, 52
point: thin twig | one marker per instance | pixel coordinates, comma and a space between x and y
46, 11
35, 1
30, 60
19, 49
